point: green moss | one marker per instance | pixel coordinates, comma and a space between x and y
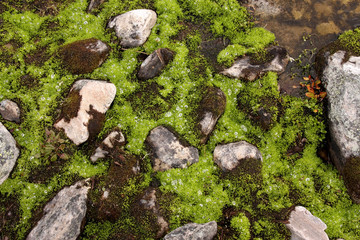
350, 41
242, 225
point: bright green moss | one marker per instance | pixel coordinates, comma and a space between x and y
242, 225
257, 38
231, 52
350, 41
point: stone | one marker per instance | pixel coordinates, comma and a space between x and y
229, 156
168, 151
10, 111
304, 226
84, 56
8, 153
206, 231
155, 63
133, 27
114, 139
341, 77
94, 4
83, 112
265, 8
211, 107
63, 215
243, 68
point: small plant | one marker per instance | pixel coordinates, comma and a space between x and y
54, 146
314, 87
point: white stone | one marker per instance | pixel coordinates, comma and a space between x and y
134, 27
97, 95
9, 110
206, 231
304, 226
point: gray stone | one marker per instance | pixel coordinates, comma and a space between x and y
304, 226
243, 68
155, 63
9, 110
84, 109
133, 27
229, 156
94, 4
167, 150
342, 83
8, 153
212, 106
114, 139
265, 8
63, 215
194, 231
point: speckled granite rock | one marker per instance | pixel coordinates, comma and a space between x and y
133, 27
8, 153
228, 156
168, 152
63, 214
9, 110
206, 231
304, 226
84, 109
155, 63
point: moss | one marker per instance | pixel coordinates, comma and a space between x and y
242, 225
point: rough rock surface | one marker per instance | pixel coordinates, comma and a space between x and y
206, 231
84, 109
229, 156
167, 150
94, 4
155, 63
63, 214
133, 27
243, 68
8, 153
9, 110
212, 106
342, 83
265, 8
304, 226
115, 138
84, 56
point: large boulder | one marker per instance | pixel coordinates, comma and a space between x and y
155, 63
245, 69
133, 27
84, 56
8, 153
206, 231
83, 112
10, 111
304, 226
63, 215
168, 151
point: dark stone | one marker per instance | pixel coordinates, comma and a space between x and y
84, 56
351, 175
155, 63
212, 106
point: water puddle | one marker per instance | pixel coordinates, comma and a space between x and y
304, 24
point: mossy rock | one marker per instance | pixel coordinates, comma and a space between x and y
351, 173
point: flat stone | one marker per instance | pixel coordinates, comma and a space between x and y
211, 107
84, 109
10, 111
84, 56
155, 63
304, 226
63, 214
133, 27
206, 231
114, 139
243, 68
168, 152
8, 153
229, 156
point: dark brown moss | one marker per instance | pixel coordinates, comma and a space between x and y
71, 105
96, 122
9, 216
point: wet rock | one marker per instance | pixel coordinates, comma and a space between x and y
206, 231
168, 152
94, 4
114, 139
304, 226
243, 68
133, 27
9, 110
148, 205
63, 214
84, 109
341, 80
155, 63
212, 106
84, 56
8, 153
265, 8
229, 156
